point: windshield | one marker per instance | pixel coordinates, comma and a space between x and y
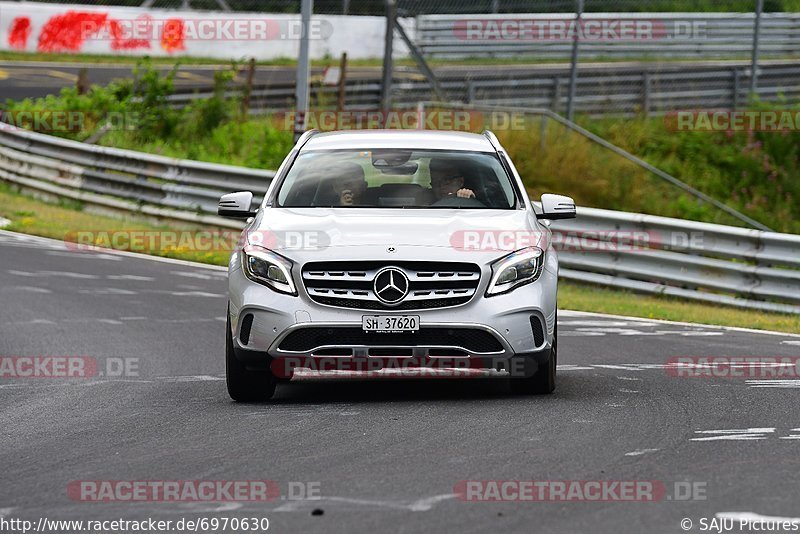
397, 178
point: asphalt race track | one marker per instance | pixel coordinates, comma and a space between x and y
19, 80
385, 453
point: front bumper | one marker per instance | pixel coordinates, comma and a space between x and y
489, 329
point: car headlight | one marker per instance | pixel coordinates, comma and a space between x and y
267, 268
517, 269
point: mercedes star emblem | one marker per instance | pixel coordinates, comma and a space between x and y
391, 285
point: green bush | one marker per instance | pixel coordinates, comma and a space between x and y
757, 173
148, 101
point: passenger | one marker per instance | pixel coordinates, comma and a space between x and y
349, 184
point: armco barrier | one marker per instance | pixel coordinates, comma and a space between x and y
122, 179
673, 35
621, 88
709, 262
702, 261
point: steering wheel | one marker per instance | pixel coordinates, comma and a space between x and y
458, 202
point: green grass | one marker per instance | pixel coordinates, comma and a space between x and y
257, 144
46, 57
582, 297
63, 220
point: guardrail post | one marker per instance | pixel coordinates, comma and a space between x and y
573, 74
543, 132
470, 91
83, 81
756, 43
301, 90
421, 115
342, 90
248, 88
388, 49
556, 93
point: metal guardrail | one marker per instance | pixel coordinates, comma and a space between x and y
361, 94
642, 89
700, 261
126, 180
645, 253
721, 35
617, 89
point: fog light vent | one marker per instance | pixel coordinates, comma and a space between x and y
538, 331
247, 325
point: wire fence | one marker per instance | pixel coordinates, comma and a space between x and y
612, 56
428, 7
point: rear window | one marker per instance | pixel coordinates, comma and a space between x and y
397, 178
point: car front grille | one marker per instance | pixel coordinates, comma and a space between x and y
350, 284
307, 339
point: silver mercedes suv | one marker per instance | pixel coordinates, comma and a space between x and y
399, 249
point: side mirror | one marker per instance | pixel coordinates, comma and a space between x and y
555, 207
236, 205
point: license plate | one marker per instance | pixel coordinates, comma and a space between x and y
390, 323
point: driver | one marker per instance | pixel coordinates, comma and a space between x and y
447, 180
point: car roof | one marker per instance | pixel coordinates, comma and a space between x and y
411, 139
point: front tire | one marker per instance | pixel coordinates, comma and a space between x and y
543, 380
245, 385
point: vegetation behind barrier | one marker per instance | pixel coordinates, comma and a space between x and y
757, 173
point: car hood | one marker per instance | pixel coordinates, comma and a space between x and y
334, 233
